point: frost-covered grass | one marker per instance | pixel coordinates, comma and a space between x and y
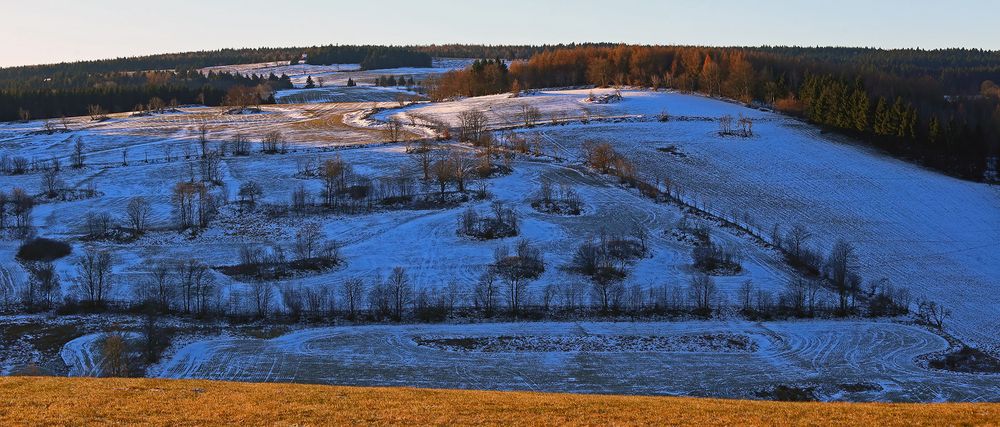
934, 235
588, 357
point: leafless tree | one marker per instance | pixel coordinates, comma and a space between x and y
3, 210
241, 145
702, 290
393, 130
838, 271
352, 290
307, 241
262, 293
162, 290
932, 313
248, 194
22, 206
400, 290
530, 115
94, 275
51, 183
97, 113
77, 158
138, 212
472, 125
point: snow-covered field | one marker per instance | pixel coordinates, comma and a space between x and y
858, 361
934, 235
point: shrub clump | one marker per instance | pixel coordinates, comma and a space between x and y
42, 249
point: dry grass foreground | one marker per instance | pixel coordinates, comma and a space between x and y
79, 401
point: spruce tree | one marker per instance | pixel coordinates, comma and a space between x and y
881, 126
933, 130
309, 83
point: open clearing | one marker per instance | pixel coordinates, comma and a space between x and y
40, 401
854, 361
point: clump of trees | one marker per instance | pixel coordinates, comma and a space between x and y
603, 157
605, 261
714, 258
502, 222
561, 200
311, 252
516, 269
742, 126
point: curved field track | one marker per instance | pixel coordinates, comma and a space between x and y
43, 401
828, 356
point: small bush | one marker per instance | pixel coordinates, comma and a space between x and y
42, 249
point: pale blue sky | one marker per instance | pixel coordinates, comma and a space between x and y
42, 31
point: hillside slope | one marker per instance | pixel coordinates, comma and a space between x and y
57, 401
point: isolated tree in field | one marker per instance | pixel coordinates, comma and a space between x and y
77, 158
472, 125
137, 211
300, 198
51, 183
184, 196
933, 314
248, 194
517, 270
334, 173
424, 156
309, 82
352, 291
94, 275
115, 356
600, 155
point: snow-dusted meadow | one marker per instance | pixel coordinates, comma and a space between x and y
935, 235
932, 234
850, 360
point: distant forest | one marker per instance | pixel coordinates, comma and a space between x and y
940, 107
116, 85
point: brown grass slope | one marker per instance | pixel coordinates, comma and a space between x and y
62, 401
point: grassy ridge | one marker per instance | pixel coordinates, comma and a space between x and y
59, 401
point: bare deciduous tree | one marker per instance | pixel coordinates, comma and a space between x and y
138, 211
94, 278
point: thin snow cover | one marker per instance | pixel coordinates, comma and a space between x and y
829, 356
935, 235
